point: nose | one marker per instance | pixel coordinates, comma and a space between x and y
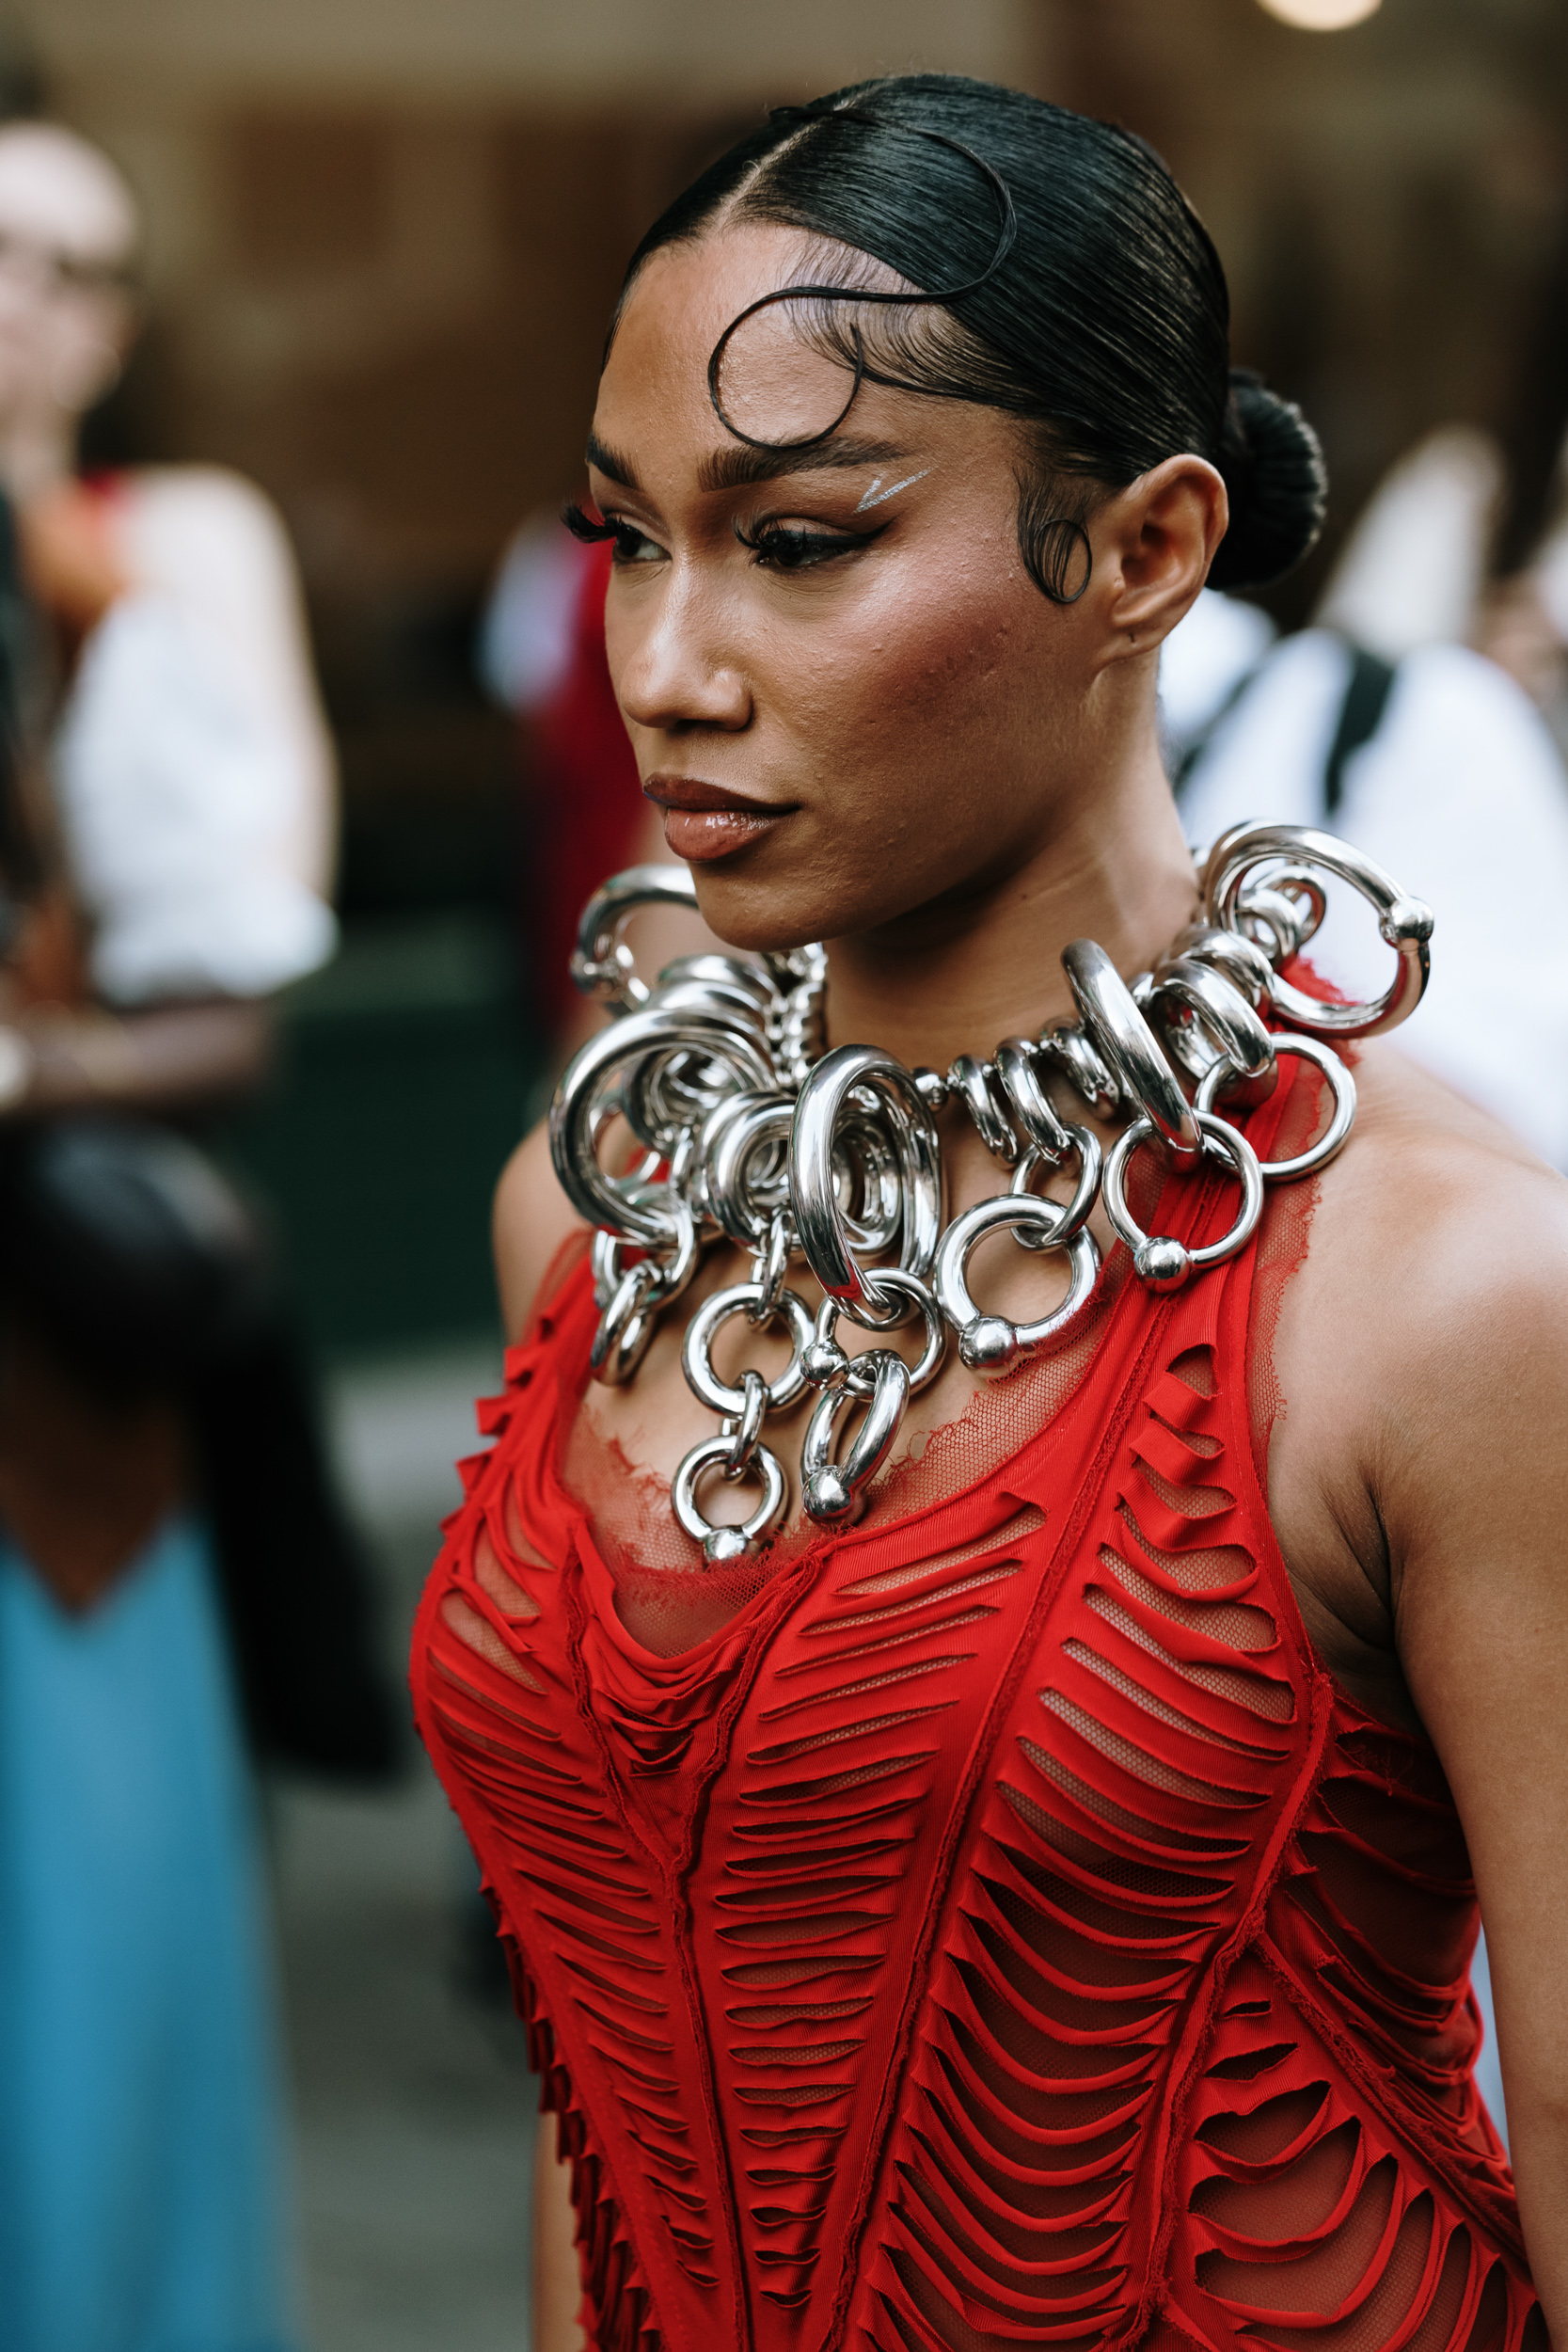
674, 671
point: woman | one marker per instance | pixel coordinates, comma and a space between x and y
1034, 1911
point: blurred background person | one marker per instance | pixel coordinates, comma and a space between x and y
1438, 765
174, 1567
541, 654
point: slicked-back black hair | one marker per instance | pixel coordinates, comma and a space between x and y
1105, 322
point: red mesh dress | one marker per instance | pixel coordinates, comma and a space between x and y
999, 1931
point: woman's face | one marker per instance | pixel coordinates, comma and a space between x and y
841, 683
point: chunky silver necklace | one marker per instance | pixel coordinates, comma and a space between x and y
751, 1133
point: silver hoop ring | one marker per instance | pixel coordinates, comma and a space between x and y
696, 1358
743, 1128
1083, 1068
1158, 1261
601, 964
728, 1542
1117, 1027
1404, 923
991, 1344
969, 1079
818, 1219
627, 1326
610, 1059
1211, 1030
1043, 1130
924, 1371
1075, 1213
1334, 1137
830, 1489
1242, 961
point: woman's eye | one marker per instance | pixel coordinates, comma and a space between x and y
786, 550
634, 547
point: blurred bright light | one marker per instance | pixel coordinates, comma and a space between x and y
1322, 16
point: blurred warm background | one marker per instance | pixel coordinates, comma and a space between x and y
382, 238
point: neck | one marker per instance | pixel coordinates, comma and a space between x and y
38, 449
964, 971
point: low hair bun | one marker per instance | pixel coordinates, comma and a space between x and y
1274, 470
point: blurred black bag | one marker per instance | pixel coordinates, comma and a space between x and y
134, 1255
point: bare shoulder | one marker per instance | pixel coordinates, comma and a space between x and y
1434, 1294
1436, 1207
533, 1219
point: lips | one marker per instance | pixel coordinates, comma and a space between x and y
702, 823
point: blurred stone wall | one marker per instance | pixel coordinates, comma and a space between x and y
384, 235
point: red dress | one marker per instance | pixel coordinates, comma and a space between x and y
1001, 1932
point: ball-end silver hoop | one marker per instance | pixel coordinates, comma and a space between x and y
1405, 924
833, 1490
992, 1344
1334, 1136
602, 963
1161, 1262
721, 1544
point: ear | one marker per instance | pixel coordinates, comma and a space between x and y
1153, 543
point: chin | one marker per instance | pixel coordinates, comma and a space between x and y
762, 915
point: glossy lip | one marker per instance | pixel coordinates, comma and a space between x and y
693, 793
704, 823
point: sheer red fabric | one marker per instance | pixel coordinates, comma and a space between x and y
1001, 1932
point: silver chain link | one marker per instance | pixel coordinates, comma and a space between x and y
751, 1132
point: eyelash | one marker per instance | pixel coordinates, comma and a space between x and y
593, 533
788, 550
771, 542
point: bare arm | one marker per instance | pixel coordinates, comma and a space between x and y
1473, 1497
170, 1058
557, 2282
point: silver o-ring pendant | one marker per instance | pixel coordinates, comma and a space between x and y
728, 1542
1160, 1262
826, 1363
1405, 924
1334, 1136
744, 1299
831, 1490
991, 1344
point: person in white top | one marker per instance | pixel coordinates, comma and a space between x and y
1459, 789
193, 768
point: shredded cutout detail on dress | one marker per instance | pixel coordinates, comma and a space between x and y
993, 1929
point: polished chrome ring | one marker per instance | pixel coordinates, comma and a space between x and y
1128, 1044
969, 1080
818, 1219
830, 1489
1334, 1136
924, 1371
1161, 1262
1212, 1030
728, 1542
1406, 924
614, 1056
696, 1356
601, 964
1075, 1213
991, 1344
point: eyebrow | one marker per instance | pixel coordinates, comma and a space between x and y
611, 463
736, 468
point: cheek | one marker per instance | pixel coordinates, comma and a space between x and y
917, 674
